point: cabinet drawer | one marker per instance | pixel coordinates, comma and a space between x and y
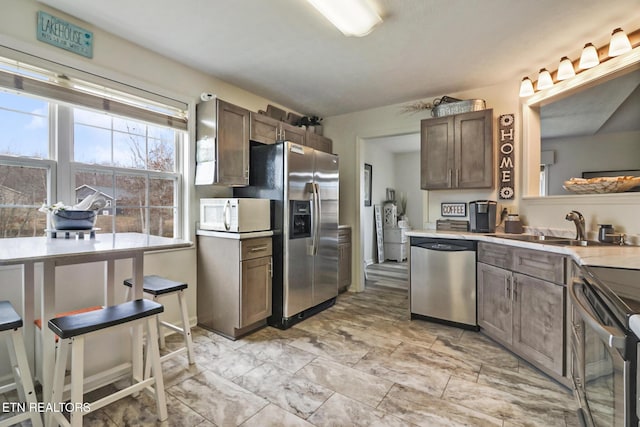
255, 248
540, 264
494, 254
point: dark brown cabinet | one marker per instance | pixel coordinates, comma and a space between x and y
224, 127
268, 130
521, 303
344, 258
457, 151
234, 284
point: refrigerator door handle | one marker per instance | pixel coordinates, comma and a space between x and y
318, 207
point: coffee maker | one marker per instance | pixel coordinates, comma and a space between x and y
482, 215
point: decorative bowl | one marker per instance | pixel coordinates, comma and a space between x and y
73, 220
603, 184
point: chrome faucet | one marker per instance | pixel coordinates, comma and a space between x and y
578, 220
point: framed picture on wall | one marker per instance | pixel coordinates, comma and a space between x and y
368, 175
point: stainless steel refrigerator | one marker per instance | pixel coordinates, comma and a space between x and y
303, 185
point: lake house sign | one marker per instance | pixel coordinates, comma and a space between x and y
506, 156
64, 35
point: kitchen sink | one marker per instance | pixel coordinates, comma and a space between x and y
550, 240
529, 237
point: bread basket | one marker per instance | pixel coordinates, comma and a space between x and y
603, 184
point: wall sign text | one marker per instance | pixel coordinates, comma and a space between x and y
506, 157
65, 35
453, 209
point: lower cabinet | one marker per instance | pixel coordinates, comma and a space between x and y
344, 258
234, 284
525, 313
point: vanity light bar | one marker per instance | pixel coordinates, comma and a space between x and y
566, 64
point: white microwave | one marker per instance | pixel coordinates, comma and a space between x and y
235, 215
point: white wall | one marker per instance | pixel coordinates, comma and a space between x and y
406, 168
383, 177
119, 60
608, 152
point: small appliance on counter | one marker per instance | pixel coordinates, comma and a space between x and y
482, 214
238, 215
513, 225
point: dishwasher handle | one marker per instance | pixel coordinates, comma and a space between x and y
442, 247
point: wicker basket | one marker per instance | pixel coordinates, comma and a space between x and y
604, 184
449, 108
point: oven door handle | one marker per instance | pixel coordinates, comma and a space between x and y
606, 333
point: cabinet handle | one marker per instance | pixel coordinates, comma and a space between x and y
457, 177
506, 287
258, 248
514, 287
450, 177
271, 267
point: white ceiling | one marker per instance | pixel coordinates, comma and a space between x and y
286, 51
408, 143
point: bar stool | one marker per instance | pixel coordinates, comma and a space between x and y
72, 330
10, 324
160, 287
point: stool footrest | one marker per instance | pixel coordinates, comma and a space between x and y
83, 323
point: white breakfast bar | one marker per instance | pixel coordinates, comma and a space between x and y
51, 252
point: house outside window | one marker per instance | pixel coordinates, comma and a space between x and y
132, 163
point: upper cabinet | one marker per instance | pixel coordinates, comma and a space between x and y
268, 130
457, 151
319, 142
222, 134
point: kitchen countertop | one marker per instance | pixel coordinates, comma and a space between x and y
236, 236
595, 256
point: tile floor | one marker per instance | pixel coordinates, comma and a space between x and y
359, 363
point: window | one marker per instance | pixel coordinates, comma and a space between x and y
128, 155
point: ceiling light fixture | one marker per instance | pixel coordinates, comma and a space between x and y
589, 57
565, 69
619, 43
353, 17
544, 79
526, 87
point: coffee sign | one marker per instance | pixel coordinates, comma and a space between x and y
506, 157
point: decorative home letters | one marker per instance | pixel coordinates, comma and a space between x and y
506, 157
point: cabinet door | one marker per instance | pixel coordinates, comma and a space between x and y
538, 321
232, 146
255, 290
474, 149
294, 134
436, 153
494, 302
319, 142
264, 129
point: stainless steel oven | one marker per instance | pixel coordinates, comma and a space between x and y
604, 353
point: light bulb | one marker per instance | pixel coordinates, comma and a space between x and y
565, 69
619, 43
526, 87
544, 79
589, 57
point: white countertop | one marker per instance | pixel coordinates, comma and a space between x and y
235, 236
18, 250
595, 256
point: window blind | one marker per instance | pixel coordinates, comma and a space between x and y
89, 95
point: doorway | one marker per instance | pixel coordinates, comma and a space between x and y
395, 184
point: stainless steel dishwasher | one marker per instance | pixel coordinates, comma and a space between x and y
442, 287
